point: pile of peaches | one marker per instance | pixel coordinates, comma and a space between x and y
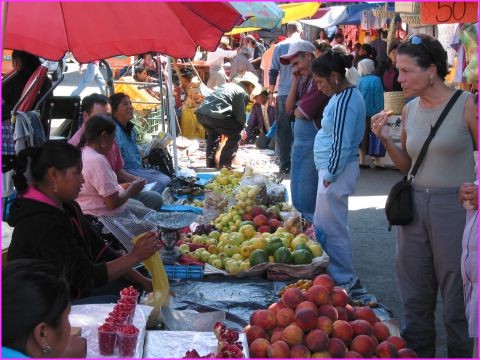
321, 322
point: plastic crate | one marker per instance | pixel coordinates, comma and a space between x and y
154, 119
184, 271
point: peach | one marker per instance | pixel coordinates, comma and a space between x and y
318, 294
397, 341
325, 324
279, 350
361, 327
364, 345
252, 317
317, 340
350, 312
285, 317
337, 348
386, 350
264, 229
342, 313
265, 319
365, 313
258, 348
292, 297
342, 330
306, 319
381, 331
274, 223
292, 334
307, 305
352, 354
247, 217
321, 354
407, 353
276, 306
326, 281
374, 340
339, 297
328, 311
253, 332
257, 210
276, 334
299, 351
260, 220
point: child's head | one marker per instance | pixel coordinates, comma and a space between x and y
262, 98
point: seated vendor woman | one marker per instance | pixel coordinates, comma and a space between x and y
141, 75
101, 194
49, 225
35, 308
126, 138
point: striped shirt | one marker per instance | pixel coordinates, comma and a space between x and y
343, 126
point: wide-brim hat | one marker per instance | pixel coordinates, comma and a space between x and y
249, 77
295, 48
224, 40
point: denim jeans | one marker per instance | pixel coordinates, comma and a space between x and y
91, 73
283, 134
304, 175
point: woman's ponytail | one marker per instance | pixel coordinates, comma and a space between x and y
22, 167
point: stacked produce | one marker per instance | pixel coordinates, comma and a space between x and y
228, 344
320, 322
226, 181
243, 244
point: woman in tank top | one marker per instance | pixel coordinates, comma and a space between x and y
429, 248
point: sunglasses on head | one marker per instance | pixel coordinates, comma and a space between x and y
417, 40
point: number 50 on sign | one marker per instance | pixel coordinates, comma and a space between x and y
448, 12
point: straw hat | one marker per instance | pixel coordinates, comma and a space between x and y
249, 77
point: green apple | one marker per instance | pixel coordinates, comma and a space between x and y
214, 234
217, 263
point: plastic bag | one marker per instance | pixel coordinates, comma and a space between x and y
161, 287
277, 193
257, 183
213, 205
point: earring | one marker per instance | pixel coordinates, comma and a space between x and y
55, 188
430, 81
336, 82
47, 349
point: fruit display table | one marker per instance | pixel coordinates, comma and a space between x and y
90, 317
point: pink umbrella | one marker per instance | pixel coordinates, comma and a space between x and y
99, 30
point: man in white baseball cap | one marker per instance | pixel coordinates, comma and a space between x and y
306, 103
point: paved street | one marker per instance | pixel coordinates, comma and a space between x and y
373, 244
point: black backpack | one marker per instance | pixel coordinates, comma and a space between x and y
161, 160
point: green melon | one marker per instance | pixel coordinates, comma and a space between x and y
258, 256
282, 256
302, 257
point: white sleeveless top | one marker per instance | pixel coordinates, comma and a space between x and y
449, 160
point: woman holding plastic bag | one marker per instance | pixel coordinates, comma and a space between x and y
50, 225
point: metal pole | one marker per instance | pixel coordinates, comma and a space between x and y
171, 108
4, 21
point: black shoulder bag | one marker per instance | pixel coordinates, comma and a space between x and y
399, 207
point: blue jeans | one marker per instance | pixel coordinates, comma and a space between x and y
304, 175
91, 73
283, 134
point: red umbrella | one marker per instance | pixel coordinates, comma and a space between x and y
99, 30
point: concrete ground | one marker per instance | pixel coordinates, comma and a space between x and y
373, 244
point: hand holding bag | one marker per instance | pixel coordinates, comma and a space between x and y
399, 205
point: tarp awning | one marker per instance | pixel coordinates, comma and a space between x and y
343, 15
293, 12
266, 15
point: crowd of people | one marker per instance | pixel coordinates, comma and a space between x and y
323, 103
